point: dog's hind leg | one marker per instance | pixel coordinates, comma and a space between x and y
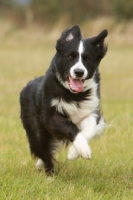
41, 148
40, 143
39, 164
40, 140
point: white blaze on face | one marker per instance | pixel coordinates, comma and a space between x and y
81, 49
79, 64
76, 83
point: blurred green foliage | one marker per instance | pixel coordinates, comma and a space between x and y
51, 11
123, 9
75, 10
4, 3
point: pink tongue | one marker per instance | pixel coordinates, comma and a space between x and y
76, 84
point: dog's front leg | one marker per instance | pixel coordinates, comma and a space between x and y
58, 126
88, 130
81, 146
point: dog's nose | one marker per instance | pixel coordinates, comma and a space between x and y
79, 72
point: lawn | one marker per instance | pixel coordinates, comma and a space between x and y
109, 174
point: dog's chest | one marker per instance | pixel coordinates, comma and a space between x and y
76, 111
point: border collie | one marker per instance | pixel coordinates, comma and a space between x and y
64, 105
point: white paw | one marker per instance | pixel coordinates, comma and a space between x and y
82, 146
72, 153
39, 164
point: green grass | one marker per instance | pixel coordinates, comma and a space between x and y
109, 174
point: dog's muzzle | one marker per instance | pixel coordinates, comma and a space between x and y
79, 73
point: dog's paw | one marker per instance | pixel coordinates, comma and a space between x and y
72, 153
82, 147
39, 164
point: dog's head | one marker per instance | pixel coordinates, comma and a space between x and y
77, 59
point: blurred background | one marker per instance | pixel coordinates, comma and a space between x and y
44, 18
28, 33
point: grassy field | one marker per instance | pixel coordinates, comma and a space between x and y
109, 174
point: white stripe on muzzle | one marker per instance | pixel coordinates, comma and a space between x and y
79, 64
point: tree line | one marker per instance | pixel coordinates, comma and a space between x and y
51, 11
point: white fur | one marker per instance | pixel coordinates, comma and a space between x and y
90, 83
85, 108
82, 147
87, 83
89, 129
69, 37
83, 116
65, 84
88, 126
39, 164
81, 49
62, 105
72, 153
79, 64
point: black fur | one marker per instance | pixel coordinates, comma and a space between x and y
44, 125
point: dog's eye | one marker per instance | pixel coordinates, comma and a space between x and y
86, 58
70, 57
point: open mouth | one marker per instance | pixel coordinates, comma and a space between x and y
76, 85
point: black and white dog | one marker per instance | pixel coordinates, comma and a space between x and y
64, 105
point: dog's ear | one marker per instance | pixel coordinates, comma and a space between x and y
99, 38
68, 35
98, 42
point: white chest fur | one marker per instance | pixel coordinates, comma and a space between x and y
84, 108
